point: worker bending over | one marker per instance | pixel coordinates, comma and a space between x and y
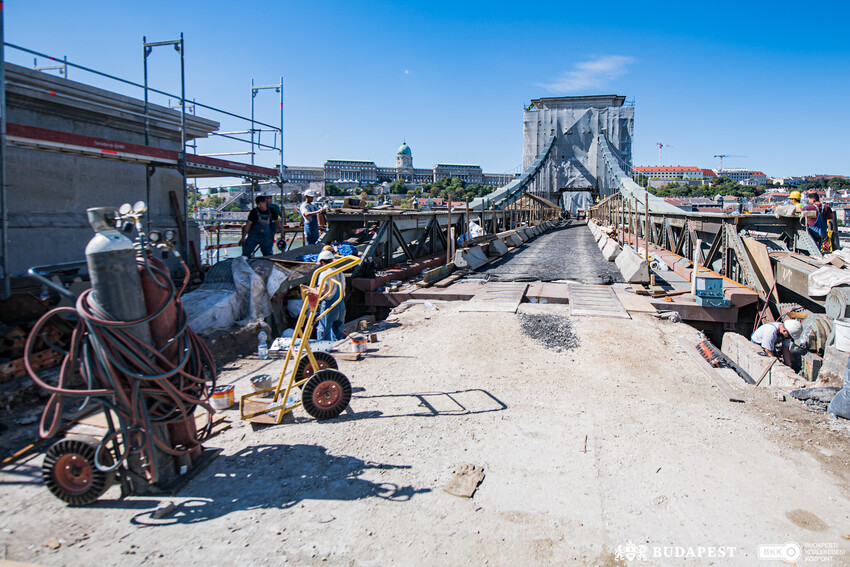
768, 337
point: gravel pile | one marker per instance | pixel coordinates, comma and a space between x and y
554, 331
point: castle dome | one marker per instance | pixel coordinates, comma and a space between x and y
404, 150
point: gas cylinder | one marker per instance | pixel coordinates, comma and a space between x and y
164, 326
115, 281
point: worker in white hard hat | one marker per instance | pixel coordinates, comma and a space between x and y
329, 327
310, 213
768, 337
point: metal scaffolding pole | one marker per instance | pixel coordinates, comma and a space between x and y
279, 89
179, 47
4, 209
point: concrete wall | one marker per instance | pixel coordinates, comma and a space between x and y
48, 192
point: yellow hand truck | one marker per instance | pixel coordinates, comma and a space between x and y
325, 391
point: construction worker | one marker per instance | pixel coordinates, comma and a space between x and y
817, 221
329, 327
795, 197
310, 213
768, 337
259, 230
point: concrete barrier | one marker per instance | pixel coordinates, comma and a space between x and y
513, 240
510, 238
603, 241
497, 248
745, 353
633, 268
526, 233
472, 257
611, 250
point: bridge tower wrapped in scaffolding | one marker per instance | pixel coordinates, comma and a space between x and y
580, 125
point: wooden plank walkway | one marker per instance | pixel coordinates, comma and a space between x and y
596, 300
502, 297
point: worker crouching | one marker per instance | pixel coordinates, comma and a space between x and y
776, 339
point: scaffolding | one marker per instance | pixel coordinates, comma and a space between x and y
195, 165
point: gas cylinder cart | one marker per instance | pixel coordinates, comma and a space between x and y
325, 391
131, 356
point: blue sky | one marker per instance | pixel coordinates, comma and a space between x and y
768, 81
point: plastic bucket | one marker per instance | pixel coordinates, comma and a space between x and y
842, 334
222, 397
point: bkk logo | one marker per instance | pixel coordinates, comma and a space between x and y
788, 552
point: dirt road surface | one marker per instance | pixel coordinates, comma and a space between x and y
617, 451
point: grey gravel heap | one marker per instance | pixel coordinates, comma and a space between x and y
554, 331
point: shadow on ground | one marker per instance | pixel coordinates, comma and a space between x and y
428, 404
278, 477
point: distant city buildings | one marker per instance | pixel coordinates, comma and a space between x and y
341, 171
690, 175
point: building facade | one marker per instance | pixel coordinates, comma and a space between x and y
339, 171
743, 176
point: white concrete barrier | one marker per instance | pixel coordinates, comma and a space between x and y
472, 257
633, 268
611, 250
497, 248
510, 238
603, 241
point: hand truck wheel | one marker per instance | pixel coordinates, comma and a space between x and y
326, 394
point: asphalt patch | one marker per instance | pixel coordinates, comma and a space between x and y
554, 332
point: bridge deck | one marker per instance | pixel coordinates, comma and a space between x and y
568, 253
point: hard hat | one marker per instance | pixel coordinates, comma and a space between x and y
325, 255
309, 193
795, 195
794, 328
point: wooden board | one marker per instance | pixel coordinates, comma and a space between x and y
635, 304
709, 371
761, 262
501, 297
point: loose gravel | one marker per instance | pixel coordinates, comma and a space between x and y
555, 332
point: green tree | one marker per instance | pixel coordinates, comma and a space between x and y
233, 207
398, 186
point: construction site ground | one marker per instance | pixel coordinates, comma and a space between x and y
611, 440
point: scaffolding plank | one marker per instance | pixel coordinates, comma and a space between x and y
502, 297
596, 300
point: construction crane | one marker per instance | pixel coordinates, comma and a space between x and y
660, 146
721, 156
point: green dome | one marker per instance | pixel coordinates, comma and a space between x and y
404, 150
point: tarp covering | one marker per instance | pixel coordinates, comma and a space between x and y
573, 201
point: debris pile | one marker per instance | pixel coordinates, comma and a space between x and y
554, 331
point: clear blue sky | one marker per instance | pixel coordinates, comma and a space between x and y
766, 80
